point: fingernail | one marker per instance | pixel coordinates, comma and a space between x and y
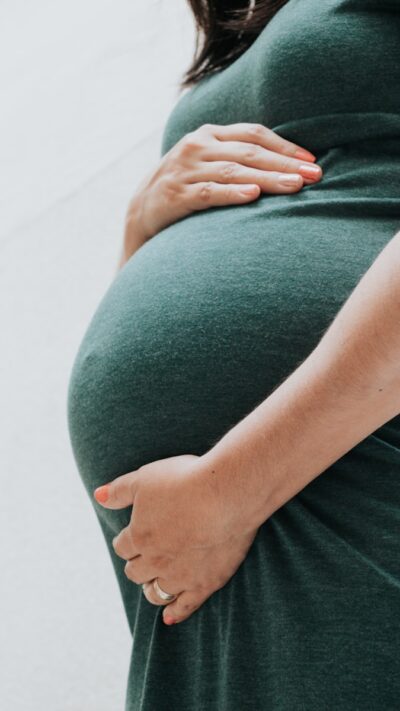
169, 620
289, 179
310, 171
101, 493
302, 154
250, 190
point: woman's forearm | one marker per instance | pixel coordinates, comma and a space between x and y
347, 387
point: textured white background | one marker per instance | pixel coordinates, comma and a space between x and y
86, 87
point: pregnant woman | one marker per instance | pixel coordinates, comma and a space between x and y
235, 401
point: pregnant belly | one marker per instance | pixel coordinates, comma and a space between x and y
209, 316
199, 326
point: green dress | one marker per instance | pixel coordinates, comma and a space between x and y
205, 320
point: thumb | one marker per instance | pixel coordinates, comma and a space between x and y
118, 493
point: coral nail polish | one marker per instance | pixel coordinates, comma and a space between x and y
310, 171
169, 620
101, 493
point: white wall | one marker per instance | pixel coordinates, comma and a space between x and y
86, 87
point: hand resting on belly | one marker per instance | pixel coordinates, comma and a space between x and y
215, 166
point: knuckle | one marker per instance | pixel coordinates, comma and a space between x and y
257, 130
172, 188
129, 570
285, 148
205, 192
191, 142
122, 542
229, 170
286, 164
116, 544
206, 127
251, 154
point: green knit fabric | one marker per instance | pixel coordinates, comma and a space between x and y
204, 321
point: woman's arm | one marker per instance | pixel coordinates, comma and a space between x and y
194, 518
348, 387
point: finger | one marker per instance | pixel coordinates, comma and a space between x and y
259, 157
201, 196
123, 544
151, 595
263, 136
209, 194
268, 180
139, 571
183, 607
118, 493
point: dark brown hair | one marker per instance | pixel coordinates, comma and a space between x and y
224, 30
